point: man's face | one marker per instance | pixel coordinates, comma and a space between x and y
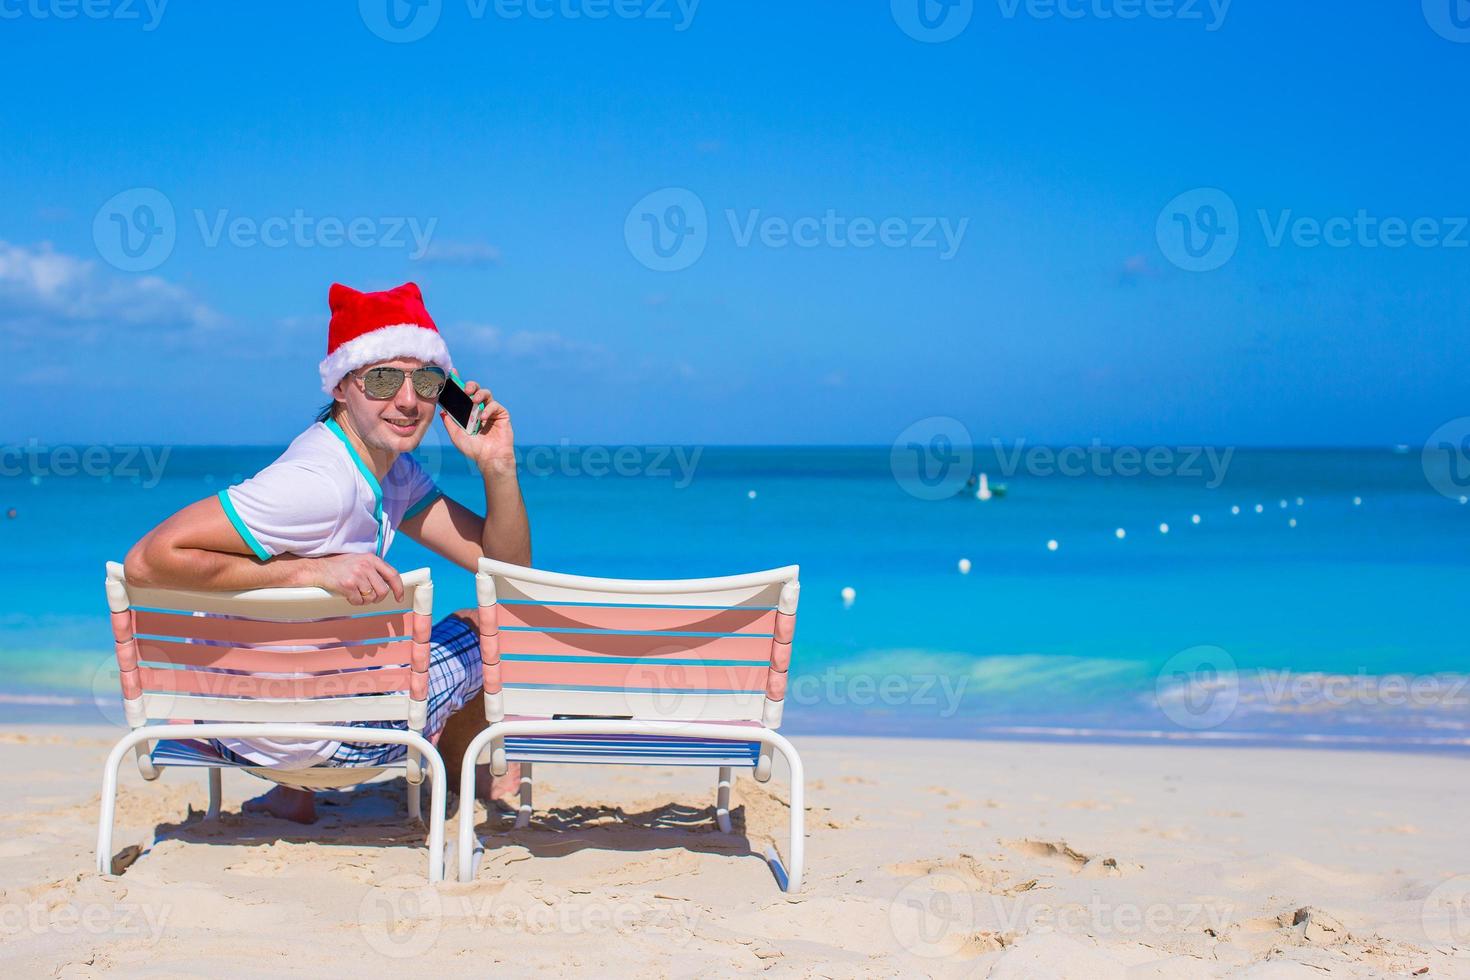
394, 424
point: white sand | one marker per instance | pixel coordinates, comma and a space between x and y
942, 858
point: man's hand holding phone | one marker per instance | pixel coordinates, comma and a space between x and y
484, 433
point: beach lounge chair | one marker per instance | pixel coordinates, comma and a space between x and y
622, 671
276, 664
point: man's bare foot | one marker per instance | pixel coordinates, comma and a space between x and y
507, 787
296, 805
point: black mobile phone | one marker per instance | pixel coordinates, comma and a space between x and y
459, 405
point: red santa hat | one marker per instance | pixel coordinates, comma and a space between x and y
370, 327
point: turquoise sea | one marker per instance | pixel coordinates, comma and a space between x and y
1347, 628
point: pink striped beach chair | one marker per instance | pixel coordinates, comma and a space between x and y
271, 663
635, 672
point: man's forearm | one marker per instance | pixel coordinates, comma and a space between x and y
507, 532
165, 566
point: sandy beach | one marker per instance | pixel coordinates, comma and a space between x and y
939, 858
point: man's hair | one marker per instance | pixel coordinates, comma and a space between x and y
328, 410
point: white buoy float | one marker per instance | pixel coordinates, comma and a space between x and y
1292, 522
1120, 534
849, 596
1235, 509
1163, 529
1052, 545
964, 566
1194, 519
750, 495
1357, 501
1300, 501
1283, 505
1464, 499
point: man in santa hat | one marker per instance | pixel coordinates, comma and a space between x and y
325, 513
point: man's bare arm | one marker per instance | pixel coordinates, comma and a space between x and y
452, 530
455, 531
198, 548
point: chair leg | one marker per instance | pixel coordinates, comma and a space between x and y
722, 800
523, 814
797, 857
415, 802
215, 781
104, 819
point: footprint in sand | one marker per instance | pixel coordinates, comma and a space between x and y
1305, 926
1063, 855
960, 873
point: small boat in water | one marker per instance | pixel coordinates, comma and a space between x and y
984, 491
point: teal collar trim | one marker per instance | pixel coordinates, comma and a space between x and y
367, 475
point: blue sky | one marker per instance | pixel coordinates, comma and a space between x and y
517, 146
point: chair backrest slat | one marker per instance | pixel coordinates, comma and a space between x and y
758, 597
372, 707
662, 706
713, 650
260, 632
755, 620
339, 685
396, 654
278, 605
636, 645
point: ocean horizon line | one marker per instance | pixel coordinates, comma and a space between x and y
1397, 448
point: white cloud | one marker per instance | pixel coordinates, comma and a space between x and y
460, 253
522, 344
46, 291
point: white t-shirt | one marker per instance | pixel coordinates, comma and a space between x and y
319, 498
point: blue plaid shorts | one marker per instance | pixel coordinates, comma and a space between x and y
455, 679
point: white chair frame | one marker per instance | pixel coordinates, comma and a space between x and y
273, 719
